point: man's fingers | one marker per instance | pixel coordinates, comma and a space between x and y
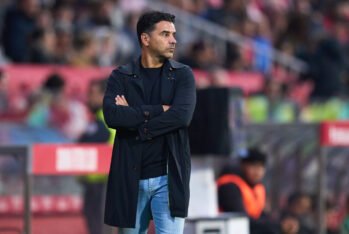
121, 100
124, 100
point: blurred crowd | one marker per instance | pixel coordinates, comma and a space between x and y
78, 33
102, 33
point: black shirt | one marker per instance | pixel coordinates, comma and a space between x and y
154, 154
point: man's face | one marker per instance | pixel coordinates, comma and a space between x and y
161, 41
254, 172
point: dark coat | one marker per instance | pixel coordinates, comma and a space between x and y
138, 123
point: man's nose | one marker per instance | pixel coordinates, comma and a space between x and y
173, 40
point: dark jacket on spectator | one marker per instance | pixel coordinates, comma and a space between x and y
327, 67
17, 30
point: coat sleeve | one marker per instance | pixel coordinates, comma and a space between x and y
180, 113
124, 116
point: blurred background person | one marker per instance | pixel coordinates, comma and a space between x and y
332, 217
54, 109
43, 46
345, 223
19, 24
201, 55
94, 185
86, 51
299, 208
240, 189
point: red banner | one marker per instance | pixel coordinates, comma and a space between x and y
335, 133
70, 159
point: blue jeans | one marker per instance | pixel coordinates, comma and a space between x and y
153, 202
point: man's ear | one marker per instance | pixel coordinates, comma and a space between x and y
145, 39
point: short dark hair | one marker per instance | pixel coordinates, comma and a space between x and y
147, 21
253, 155
54, 83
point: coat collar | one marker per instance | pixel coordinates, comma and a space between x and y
133, 68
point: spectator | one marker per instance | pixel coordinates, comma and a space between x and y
86, 51
201, 56
332, 216
241, 190
94, 184
128, 36
54, 109
345, 223
107, 48
19, 24
44, 19
43, 47
102, 13
64, 45
231, 12
298, 208
327, 67
63, 16
4, 4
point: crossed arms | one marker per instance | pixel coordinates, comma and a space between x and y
150, 120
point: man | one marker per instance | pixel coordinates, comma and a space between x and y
18, 25
150, 102
242, 191
96, 132
299, 207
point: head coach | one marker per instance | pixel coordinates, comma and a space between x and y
150, 102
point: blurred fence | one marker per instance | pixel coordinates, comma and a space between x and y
301, 160
295, 151
293, 161
19, 165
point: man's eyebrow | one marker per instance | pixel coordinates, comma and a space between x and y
166, 31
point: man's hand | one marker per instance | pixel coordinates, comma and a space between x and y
121, 100
165, 107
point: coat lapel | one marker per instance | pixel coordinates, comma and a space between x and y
167, 83
133, 71
167, 78
138, 83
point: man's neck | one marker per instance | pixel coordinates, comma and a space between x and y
149, 61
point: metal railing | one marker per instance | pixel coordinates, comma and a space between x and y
23, 153
298, 162
221, 33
